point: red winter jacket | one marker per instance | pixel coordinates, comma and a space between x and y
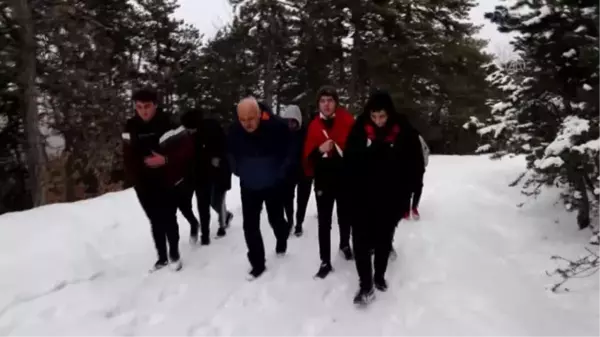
317, 134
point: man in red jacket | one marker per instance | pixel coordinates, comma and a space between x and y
322, 159
156, 154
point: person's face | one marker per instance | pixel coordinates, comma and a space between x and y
326, 105
379, 118
146, 110
249, 118
293, 124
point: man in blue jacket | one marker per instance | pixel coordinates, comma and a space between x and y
261, 154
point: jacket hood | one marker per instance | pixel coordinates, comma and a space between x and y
292, 112
191, 118
265, 108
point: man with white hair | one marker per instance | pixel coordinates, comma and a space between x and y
260, 154
298, 181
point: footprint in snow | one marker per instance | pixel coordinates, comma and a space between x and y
155, 319
413, 317
314, 326
204, 330
331, 295
171, 292
50, 313
121, 318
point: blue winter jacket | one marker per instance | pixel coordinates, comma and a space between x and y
262, 159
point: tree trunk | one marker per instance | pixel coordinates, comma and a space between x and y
27, 77
355, 57
271, 61
583, 209
269, 75
70, 194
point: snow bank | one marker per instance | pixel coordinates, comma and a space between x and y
474, 265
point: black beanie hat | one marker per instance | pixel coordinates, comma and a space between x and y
330, 91
380, 100
145, 95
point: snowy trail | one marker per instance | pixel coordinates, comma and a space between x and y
473, 265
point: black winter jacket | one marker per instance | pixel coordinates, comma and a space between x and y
209, 144
379, 171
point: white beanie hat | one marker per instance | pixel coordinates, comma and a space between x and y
292, 112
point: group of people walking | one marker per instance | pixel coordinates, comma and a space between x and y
370, 167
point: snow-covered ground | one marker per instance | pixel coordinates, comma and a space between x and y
474, 265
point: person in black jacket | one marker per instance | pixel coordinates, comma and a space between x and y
298, 182
210, 175
381, 161
156, 152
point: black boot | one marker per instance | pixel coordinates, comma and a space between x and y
176, 265
364, 297
380, 284
221, 232
347, 252
205, 241
160, 264
281, 247
256, 272
298, 231
324, 270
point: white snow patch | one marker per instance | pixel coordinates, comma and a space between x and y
536, 19
549, 162
570, 53
572, 126
483, 148
590, 146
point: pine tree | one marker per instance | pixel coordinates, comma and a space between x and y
550, 111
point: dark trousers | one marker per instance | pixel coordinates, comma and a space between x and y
416, 191
325, 201
217, 202
160, 206
416, 196
372, 234
210, 195
301, 188
185, 191
252, 201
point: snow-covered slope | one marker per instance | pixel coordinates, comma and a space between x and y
475, 264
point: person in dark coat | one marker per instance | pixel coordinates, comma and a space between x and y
210, 175
298, 183
261, 155
156, 153
322, 159
382, 159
